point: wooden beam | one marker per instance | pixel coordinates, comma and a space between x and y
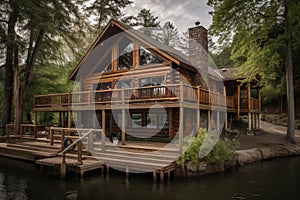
136, 55
226, 119
115, 57
181, 112
239, 102
249, 121
103, 131
208, 119
69, 119
123, 126
170, 117
218, 121
259, 98
249, 95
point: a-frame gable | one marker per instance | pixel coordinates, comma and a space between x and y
114, 27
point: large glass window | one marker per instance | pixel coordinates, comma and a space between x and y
106, 64
124, 84
102, 86
136, 120
157, 121
152, 81
147, 58
125, 60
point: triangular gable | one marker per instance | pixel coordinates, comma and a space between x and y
162, 49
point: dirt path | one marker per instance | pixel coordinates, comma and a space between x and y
272, 135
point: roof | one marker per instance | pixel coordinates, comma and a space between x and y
171, 53
230, 73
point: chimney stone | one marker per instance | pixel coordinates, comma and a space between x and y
198, 53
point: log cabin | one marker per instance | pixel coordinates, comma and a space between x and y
137, 88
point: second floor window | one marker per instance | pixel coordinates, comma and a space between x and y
125, 60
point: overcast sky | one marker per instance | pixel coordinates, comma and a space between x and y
182, 13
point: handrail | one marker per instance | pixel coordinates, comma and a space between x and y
74, 143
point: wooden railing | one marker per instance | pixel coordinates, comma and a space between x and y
28, 130
151, 93
254, 104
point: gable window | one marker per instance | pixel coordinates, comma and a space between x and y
125, 60
106, 64
147, 58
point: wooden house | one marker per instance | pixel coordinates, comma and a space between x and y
136, 87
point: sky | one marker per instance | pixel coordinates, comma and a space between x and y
182, 13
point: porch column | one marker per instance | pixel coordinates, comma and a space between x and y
218, 121
259, 120
170, 117
63, 120
249, 120
103, 136
239, 102
198, 120
208, 119
123, 126
226, 119
181, 111
35, 123
69, 119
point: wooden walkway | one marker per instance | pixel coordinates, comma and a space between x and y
134, 157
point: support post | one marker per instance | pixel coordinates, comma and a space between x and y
170, 117
249, 120
208, 119
63, 167
226, 119
259, 120
198, 119
103, 131
79, 158
63, 119
51, 136
154, 176
69, 119
239, 102
181, 112
123, 126
218, 120
249, 96
62, 139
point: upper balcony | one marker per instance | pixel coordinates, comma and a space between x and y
173, 93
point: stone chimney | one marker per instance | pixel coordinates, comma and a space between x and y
198, 52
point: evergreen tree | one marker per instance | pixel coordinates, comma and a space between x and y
256, 24
103, 10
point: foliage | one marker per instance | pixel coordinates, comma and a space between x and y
100, 11
223, 149
222, 59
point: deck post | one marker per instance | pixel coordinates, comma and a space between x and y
62, 139
198, 119
259, 120
249, 96
226, 119
239, 102
123, 127
198, 95
162, 176
170, 117
69, 119
249, 120
208, 119
103, 131
51, 136
181, 112
63, 119
79, 150
154, 176
218, 120
63, 167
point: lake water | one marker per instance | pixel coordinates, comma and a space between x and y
275, 179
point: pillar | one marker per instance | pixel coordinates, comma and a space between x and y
208, 119
69, 119
123, 126
239, 102
181, 111
103, 131
249, 120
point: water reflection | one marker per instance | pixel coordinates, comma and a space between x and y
276, 179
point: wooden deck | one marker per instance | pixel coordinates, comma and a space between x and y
134, 157
168, 94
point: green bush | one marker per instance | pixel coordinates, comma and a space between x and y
195, 149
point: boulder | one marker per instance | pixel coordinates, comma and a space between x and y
248, 156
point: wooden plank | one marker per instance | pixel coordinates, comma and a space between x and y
123, 126
103, 130
181, 118
239, 102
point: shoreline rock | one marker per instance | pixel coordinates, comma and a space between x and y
243, 157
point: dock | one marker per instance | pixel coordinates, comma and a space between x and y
134, 157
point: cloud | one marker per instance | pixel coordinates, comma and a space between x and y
182, 13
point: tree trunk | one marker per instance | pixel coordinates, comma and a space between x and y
289, 80
21, 88
17, 118
9, 72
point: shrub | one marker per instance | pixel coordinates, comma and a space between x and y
195, 149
